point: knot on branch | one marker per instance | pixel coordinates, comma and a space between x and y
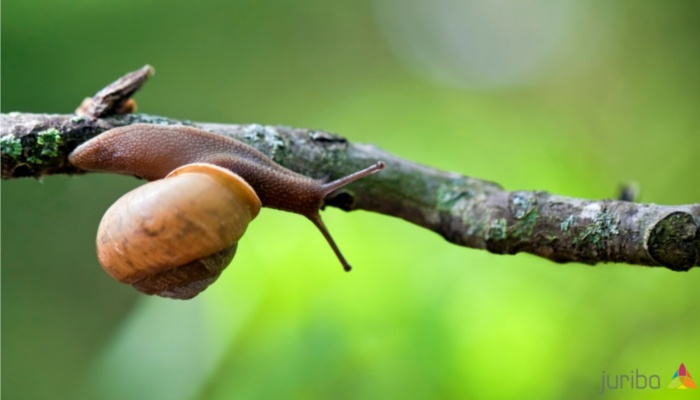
675, 241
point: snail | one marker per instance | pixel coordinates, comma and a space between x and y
173, 236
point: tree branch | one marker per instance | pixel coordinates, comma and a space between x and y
464, 210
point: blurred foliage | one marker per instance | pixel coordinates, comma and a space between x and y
417, 318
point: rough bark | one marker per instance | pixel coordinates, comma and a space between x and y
464, 210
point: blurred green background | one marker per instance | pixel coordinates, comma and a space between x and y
573, 97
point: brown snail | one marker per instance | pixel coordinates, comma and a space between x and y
173, 236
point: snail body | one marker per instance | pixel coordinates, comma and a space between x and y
173, 236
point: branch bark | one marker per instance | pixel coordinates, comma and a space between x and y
464, 210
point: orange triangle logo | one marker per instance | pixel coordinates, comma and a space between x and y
682, 379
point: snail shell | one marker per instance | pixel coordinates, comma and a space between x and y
173, 237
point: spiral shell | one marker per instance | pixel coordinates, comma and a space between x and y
173, 237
